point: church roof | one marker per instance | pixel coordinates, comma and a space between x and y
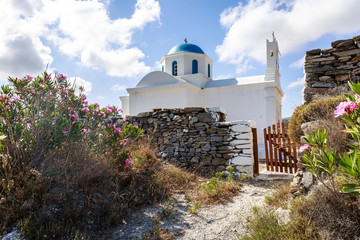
186, 47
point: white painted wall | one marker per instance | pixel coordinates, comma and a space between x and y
148, 100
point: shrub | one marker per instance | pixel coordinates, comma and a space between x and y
336, 217
53, 143
323, 110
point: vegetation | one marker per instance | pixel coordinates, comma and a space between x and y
218, 189
332, 210
67, 170
323, 111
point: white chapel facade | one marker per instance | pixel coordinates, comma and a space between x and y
186, 80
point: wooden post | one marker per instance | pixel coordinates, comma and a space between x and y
270, 149
255, 152
266, 150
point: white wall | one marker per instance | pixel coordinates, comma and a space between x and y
148, 100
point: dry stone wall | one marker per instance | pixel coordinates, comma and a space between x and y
200, 139
329, 68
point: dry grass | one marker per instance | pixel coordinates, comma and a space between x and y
222, 193
159, 233
323, 110
338, 217
280, 195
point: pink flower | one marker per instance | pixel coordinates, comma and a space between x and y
123, 142
33, 91
86, 110
62, 76
74, 116
127, 162
48, 77
84, 130
345, 107
42, 85
18, 99
96, 104
304, 147
4, 96
28, 126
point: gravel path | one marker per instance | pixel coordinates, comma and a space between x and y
221, 221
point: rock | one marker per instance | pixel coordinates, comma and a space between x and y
307, 180
194, 160
311, 127
207, 117
313, 52
345, 43
218, 161
323, 85
283, 215
326, 79
220, 168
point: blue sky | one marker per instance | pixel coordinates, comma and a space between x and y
109, 46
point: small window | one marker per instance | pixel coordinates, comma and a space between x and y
271, 53
208, 70
174, 68
157, 109
162, 68
194, 66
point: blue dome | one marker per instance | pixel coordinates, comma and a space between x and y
186, 47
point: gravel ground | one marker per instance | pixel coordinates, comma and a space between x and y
221, 221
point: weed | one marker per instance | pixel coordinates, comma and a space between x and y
219, 189
195, 208
279, 195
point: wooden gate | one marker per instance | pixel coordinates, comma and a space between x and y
279, 151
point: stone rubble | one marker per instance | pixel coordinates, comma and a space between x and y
329, 68
199, 139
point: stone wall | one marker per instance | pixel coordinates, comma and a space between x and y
199, 139
329, 68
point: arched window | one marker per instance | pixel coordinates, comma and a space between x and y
208, 70
194, 66
174, 68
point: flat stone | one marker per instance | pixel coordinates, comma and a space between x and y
194, 160
239, 142
321, 59
345, 43
207, 117
242, 160
313, 52
244, 146
326, 79
342, 78
323, 85
193, 109
210, 131
244, 136
241, 128
347, 53
218, 161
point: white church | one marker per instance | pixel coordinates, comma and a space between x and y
186, 80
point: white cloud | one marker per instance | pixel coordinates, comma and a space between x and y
100, 97
82, 30
295, 23
298, 82
77, 82
118, 87
298, 63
